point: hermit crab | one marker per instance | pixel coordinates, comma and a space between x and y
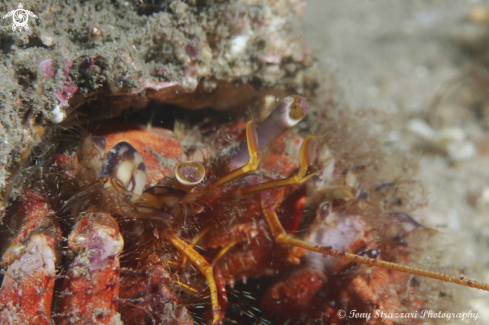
141, 225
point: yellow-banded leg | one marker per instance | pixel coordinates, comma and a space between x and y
204, 267
281, 237
306, 158
252, 140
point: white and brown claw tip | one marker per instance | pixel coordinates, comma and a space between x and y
161, 197
188, 175
290, 112
125, 164
92, 287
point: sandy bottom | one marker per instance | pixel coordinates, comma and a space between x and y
406, 60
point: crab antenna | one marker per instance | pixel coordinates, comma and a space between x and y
281, 237
253, 158
290, 112
306, 157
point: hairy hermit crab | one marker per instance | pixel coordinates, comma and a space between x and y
131, 227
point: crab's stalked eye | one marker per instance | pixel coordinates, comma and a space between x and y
283, 118
189, 174
372, 253
125, 164
324, 211
296, 109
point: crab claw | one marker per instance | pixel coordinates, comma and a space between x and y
125, 164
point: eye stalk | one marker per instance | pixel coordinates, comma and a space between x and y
188, 175
290, 112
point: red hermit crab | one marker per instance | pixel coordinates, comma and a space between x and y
139, 221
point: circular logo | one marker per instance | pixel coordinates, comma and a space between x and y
341, 313
20, 18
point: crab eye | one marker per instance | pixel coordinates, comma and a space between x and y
189, 174
296, 109
125, 164
372, 253
325, 210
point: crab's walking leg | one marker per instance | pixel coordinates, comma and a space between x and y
246, 157
204, 267
28, 284
92, 289
146, 296
282, 237
306, 158
253, 158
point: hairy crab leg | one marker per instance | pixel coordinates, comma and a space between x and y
224, 250
195, 240
146, 294
27, 289
253, 158
282, 237
246, 157
204, 267
92, 288
306, 157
